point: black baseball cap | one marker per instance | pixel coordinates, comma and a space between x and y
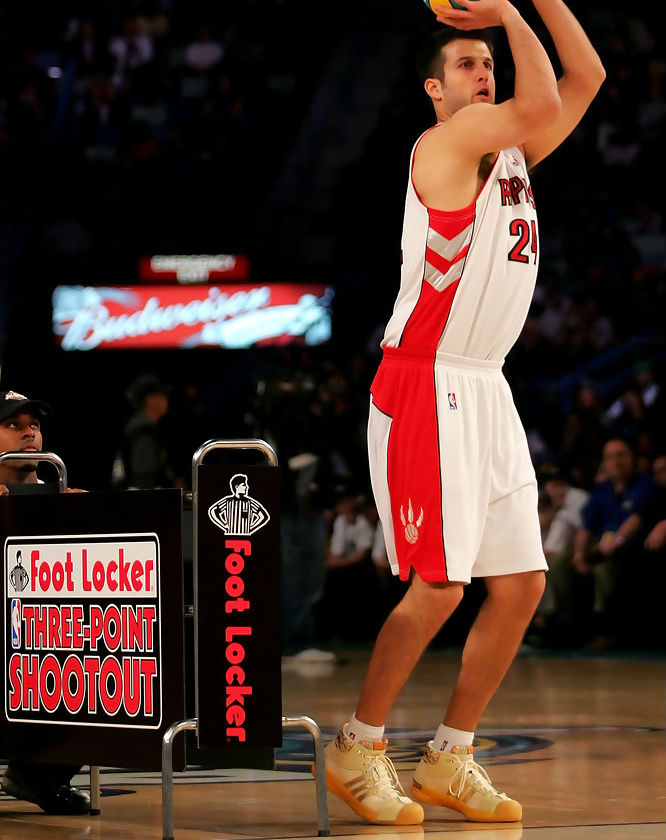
144, 385
12, 402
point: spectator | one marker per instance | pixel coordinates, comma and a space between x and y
131, 50
47, 785
561, 519
583, 435
653, 515
204, 52
303, 557
350, 570
142, 461
605, 545
83, 43
391, 588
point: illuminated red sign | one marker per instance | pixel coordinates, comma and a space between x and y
194, 268
231, 316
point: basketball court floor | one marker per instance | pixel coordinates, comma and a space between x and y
578, 739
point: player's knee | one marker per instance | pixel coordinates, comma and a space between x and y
519, 591
532, 586
435, 601
537, 586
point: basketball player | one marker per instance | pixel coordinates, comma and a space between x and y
450, 466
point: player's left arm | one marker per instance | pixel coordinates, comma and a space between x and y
582, 76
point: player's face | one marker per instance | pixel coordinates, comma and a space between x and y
468, 74
21, 433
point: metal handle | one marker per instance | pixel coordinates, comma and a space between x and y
308, 723
251, 443
51, 457
167, 774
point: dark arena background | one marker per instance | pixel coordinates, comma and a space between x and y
178, 159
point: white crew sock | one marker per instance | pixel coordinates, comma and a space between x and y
447, 737
359, 731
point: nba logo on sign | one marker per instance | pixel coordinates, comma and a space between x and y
452, 402
16, 623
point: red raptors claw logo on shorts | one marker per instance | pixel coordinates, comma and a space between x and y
411, 528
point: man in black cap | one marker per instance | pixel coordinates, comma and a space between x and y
20, 422
142, 461
47, 785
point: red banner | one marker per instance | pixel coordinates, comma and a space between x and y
238, 316
194, 268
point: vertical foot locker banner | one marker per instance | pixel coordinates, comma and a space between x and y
238, 651
93, 626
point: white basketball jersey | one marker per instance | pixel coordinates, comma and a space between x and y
468, 276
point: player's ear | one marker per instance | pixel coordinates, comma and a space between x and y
433, 87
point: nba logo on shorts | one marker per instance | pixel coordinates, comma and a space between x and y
16, 623
452, 402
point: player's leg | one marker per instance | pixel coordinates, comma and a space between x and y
492, 644
447, 774
511, 561
358, 770
401, 643
405, 473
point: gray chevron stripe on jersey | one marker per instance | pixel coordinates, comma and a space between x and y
447, 249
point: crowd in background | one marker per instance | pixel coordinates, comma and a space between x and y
179, 118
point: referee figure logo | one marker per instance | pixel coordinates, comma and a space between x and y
18, 576
238, 514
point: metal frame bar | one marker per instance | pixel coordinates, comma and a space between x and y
193, 723
323, 826
50, 457
320, 770
167, 774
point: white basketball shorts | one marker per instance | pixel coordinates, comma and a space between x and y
450, 468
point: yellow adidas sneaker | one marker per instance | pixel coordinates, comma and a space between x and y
454, 780
362, 775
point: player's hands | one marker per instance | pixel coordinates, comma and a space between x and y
4, 491
478, 14
74, 490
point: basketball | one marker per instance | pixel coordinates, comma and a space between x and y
451, 4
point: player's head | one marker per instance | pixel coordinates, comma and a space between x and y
20, 431
456, 68
238, 484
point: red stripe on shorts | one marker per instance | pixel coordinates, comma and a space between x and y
404, 388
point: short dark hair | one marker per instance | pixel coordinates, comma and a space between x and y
428, 60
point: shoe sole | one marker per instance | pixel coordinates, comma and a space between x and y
411, 814
507, 811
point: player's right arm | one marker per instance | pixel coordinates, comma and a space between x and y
535, 103
453, 151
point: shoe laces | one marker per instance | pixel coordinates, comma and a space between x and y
383, 777
469, 772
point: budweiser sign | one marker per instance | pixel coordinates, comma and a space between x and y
194, 268
239, 316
